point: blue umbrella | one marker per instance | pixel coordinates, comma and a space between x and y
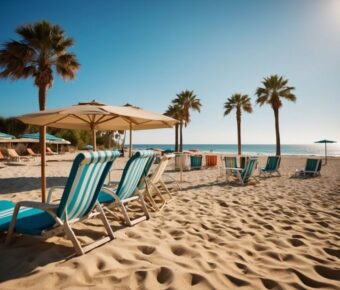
89, 147
6, 136
49, 137
325, 141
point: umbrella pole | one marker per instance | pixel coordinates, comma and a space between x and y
130, 147
325, 153
43, 162
94, 140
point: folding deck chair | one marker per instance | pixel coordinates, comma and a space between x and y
78, 201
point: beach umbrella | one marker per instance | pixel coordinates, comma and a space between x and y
49, 137
96, 116
325, 141
6, 136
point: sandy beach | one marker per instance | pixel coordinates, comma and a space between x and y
280, 233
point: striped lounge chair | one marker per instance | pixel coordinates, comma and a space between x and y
196, 161
272, 166
78, 201
312, 168
244, 174
155, 183
127, 189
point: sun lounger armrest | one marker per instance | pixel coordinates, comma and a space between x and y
52, 189
39, 205
110, 192
233, 168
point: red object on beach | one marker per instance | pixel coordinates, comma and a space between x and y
211, 160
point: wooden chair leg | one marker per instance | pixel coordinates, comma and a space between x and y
71, 235
103, 218
165, 188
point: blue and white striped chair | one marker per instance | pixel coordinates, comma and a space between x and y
127, 189
78, 201
244, 174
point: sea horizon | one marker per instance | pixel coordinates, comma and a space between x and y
254, 149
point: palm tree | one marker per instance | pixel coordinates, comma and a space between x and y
41, 50
238, 102
186, 100
174, 111
274, 89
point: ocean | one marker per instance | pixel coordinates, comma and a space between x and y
254, 149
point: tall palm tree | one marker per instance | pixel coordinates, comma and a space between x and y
239, 103
274, 89
186, 100
41, 50
174, 111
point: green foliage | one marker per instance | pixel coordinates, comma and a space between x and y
186, 101
42, 46
239, 102
12, 126
274, 89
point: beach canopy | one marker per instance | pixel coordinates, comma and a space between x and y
94, 116
97, 116
6, 136
49, 138
325, 141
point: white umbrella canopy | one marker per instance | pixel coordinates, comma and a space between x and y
95, 116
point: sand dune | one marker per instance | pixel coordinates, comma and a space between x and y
281, 233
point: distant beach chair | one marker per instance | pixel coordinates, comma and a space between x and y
14, 156
243, 174
227, 162
77, 203
272, 166
243, 161
31, 152
196, 161
50, 152
312, 168
156, 184
2, 157
182, 161
127, 189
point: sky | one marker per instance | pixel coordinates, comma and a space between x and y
144, 52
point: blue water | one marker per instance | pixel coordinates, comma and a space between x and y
254, 149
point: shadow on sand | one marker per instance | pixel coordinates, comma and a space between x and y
22, 184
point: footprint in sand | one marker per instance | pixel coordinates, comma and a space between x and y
146, 250
165, 275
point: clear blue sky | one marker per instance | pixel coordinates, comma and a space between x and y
144, 52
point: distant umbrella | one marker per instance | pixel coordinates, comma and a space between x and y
6, 136
89, 147
49, 137
325, 142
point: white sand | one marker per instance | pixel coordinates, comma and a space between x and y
281, 233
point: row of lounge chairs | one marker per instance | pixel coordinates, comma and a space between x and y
312, 168
85, 196
12, 155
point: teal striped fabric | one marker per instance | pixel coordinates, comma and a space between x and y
86, 179
132, 174
230, 161
247, 172
196, 161
311, 165
151, 160
272, 163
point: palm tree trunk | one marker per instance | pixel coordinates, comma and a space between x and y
277, 131
181, 137
42, 107
238, 132
176, 138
